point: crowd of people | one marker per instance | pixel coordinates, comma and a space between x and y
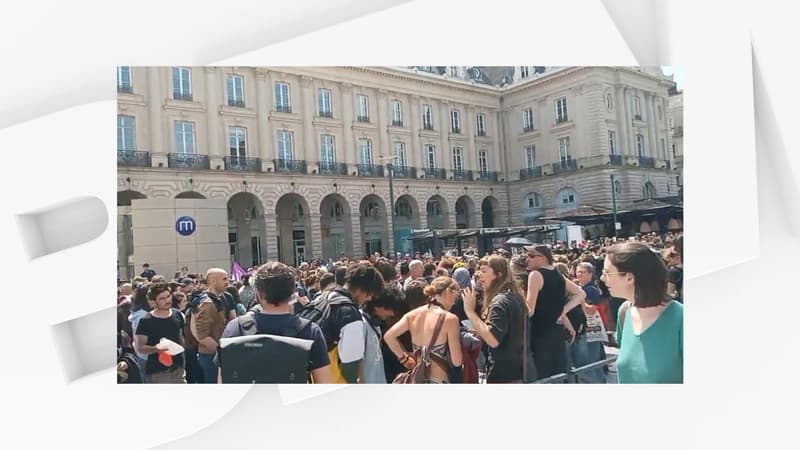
516, 316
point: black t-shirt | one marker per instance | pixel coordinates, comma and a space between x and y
156, 328
149, 274
506, 321
675, 276
549, 303
227, 301
340, 316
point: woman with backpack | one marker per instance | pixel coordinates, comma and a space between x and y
502, 323
432, 326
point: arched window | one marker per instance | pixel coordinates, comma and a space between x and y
460, 209
566, 198
403, 209
434, 208
297, 212
533, 201
336, 212
648, 190
617, 187
371, 210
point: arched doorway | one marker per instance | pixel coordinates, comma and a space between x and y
246, 231
437, 212
489, 207
191, 194
674, 224
124, 197
465, 212
337, 237
294, 229
406, 219
125, 265
644, 227
374, 232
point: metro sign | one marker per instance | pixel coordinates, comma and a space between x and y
185, 225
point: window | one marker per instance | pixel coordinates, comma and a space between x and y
124, 79
255, 246
674, 152
663, 149
283, 101
660, 113
365, 151
480, 120
612, 142
234, 85
400, 153
126, 131
566, 197
427, 117
523, 72
530, 156
181, 84
337, 211
640, 145
637, 108
237, 141
371, 209
483, 161
434, 208
455, 121
527, 120
184, 137
563, 149
430, 156
363, 108
533, 201
617, 187
561, 110
397, 113
325, 108
403, 209
609, 102
648, 190
453, 71
458, 163
285, 145
327, 149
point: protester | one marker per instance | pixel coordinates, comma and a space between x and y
147, 272
163, 322
588, 345
209, 322
376, 313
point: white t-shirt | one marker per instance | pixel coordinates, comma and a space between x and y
351, 342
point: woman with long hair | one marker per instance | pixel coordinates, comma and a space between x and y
502, 322
650, 323
421, 322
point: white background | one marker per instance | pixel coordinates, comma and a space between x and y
57, 121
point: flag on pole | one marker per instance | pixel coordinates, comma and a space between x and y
237, 273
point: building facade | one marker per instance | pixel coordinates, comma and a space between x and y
301, 155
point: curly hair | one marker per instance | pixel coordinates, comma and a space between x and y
275, 282
365, 277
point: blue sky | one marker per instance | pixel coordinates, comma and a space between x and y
677, 71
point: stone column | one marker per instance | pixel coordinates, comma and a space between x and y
355, 224
631, 138
349, 155
316, 235
622, 122
497, 160
471, 160
414, 156
216, 143
651, 125
271, 235
306, 151
445, 155
158, 145
265, 146
382, 149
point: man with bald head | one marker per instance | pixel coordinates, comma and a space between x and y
415, 270
209, 321
217, 281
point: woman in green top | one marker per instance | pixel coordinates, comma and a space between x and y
650, 325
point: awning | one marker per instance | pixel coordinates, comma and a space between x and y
592, 215
463, 233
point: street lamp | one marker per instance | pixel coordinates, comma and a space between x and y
614, 203
390, 168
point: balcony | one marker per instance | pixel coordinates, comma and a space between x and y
456, 130
125, 88
363, 119
647, 162
236, 103
290, 165
332, 168
462, 175
481, 133
370, 170
527, 129
283, 108
488, 176
427, 126
404, 172
530, 173
242, 164
561, 119
615, 160
133, 158
182, 96
328, 114
637, 117
397, 123
437, 174
566, 165
187, 161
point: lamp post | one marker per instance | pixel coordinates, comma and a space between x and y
390, 168
614, 203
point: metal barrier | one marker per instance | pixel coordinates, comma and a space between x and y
562, 377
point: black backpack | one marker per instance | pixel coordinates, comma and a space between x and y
265, 358
319, 311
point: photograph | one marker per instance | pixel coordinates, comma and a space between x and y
399, 224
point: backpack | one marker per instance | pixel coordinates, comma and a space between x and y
422, 357
319, 312
265, 358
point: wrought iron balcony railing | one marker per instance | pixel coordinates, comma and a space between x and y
133, 158
187, 161
290, 165
530, 173
370, 170
328, 114
566, 165
397, 123
364, 119
125, 88
435, 173
404, 172
427, 126
332, 168
455, 130
561, 119
615, 160
647, 162
242, 164
236, 102
283, 108
481, 133
182, 96
462, 175
527, 129
488, 176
